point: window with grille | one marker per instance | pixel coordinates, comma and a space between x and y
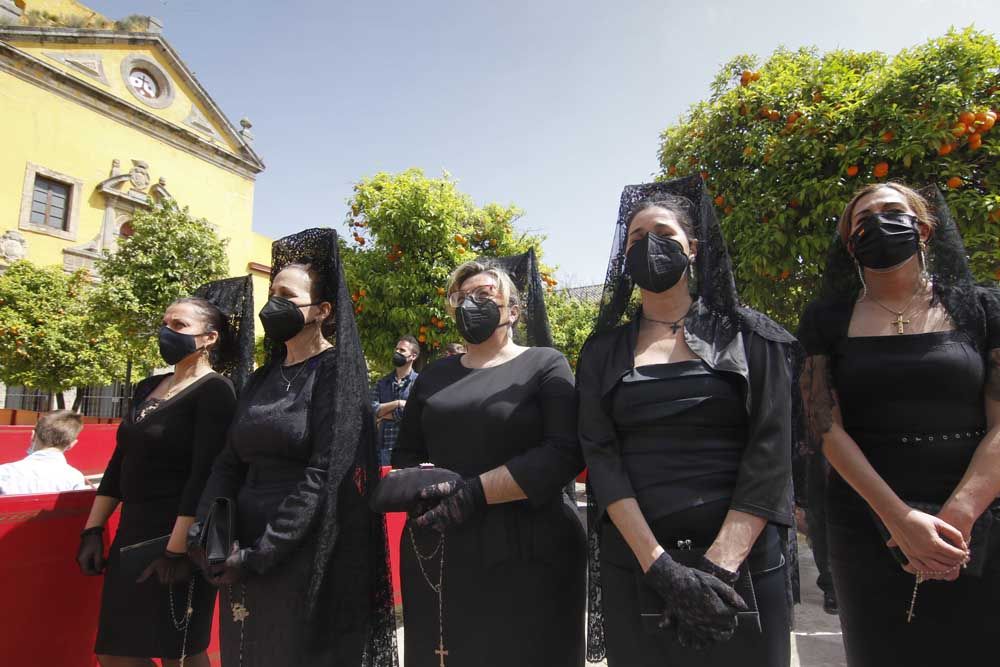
50, 203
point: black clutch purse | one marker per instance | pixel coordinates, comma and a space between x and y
978, 544
399, 491
651, 604
218, 532
134, 558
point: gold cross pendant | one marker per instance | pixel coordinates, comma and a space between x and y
900, 323
440, 652
240, 612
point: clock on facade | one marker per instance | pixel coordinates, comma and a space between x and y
143, 83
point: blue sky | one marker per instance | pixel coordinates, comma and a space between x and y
550, 105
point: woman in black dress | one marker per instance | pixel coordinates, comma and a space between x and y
685, 423
164, 452
493, 573
308, 582
903, 393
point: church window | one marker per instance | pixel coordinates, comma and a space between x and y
50, 203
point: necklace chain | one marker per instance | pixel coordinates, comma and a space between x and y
438, 550
674, 326
899, 321
182, 624
288, 383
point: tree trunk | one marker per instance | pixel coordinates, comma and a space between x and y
60, 401
126, 403
81, 394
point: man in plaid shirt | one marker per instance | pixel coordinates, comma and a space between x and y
390, 393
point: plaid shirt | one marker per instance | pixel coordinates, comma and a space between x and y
386, 390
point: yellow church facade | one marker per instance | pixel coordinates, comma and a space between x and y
96, 124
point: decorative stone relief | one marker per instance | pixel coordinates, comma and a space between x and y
197, 120
13, 246
124, 193
90, 64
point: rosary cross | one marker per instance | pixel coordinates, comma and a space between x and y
900, 323
440, 652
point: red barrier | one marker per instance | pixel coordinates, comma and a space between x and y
394, 522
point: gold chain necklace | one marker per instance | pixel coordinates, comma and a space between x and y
899, 321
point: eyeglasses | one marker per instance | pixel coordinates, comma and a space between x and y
480, 295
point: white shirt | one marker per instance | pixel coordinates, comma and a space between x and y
44, 471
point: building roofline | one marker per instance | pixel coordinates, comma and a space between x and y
61, 35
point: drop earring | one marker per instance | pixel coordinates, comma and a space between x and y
924, 274
861, 277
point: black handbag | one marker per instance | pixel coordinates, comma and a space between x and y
978, 544
399, 491
218, 532
651, 604
135, 558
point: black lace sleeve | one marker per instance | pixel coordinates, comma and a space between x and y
990, 302
817, 329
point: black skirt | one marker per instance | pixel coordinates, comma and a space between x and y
630, 645
136, 618
514, 590
953, 622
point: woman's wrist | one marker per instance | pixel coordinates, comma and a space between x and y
92, 530
649, 556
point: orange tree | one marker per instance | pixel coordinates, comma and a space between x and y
783, 144
407, 232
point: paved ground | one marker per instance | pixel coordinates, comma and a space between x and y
816, 640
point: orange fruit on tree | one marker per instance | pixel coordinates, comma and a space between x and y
955, 182
975, 141
440, 324
881, 170
672, 170
729, 210
704, 175
784, 274
720, 200
959, 129
746, 77
852, 170
888, 136
755, 76
966, 117
774, 115
945, 149
422, 338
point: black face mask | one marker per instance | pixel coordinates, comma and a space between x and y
477, 322
399, 359
885, 240
656, 263
175, 346
282, 319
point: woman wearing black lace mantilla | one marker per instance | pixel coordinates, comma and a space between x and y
902, 388
685, 422
493, 564
308, 582
166, 443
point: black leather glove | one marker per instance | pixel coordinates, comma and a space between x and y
234, 570
169, 568
702, 607
456, 502
90, 554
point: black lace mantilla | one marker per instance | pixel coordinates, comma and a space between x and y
532, 328
347, 425
234, 357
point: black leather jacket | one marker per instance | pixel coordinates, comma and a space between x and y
756, 349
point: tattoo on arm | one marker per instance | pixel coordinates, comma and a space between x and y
818, 397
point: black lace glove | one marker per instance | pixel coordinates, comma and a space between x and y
169, 568
456, 502
702, 607
90, 554
234, 570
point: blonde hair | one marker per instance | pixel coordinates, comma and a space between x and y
505, 286
916, 201
58, 428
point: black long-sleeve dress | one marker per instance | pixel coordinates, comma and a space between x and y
514, 575
162, 458
276, 470
914, 404
689, 441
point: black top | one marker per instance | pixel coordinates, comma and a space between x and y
683, 428
521, 414
758, 365
270, 447
169, 452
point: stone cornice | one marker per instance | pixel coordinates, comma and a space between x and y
26, 67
